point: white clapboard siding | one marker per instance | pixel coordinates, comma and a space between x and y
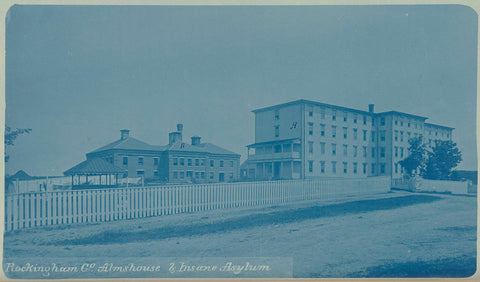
68, 207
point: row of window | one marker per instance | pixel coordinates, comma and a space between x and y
409, 124
333, 147
196, 175
140, 160
436, 133
345, 166
345, 130
199, 162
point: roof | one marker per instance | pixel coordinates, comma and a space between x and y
21, 175
202, 147
303, 101
129, 143
274, 141
442, 126
94, 166
402, 114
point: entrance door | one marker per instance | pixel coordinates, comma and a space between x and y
221, 177
276, 169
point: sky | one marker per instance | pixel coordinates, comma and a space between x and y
76, 75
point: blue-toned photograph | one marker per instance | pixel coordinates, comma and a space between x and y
240, 141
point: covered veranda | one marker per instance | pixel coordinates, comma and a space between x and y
94, 173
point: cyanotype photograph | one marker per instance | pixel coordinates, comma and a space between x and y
223, 141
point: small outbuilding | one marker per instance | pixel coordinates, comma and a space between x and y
94, 173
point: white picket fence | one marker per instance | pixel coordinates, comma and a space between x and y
68, 207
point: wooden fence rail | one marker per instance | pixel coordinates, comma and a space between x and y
81, 206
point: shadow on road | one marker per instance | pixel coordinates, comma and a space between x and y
250, 221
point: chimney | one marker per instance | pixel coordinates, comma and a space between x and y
371, 108
179, 127
124, 134
174, 137
196, 140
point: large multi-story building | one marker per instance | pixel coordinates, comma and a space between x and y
303, 139
176, 162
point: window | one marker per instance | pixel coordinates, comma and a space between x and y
334, 167
175, 175
408, 124
231, 163
197, 174
382, 152
277, 115
310, 113
310, 128
382, 135
277, 148
396, 122
322, 129
334, 131
355, 135
277, 130
155, 173
212, 163
373, 136
189, 174
322, 148
189, 161
401, 123
310, 147
345, 150
408, 135
401, 136
182, 174
140, 160
355, 168
334, 149
182, 161
322, 167
140, 172
345, 167
355, 117
364, 120
221, 163
211, 175
373, 152
310, 166
396, 167
364, 151
197, 162
448, 135
322, 113
401, 152
125, 160
373, 168
364, 135
202, 175
436, 133
382, 121
373, 121
396, 152
345, 131
334, 115
355, 151
155, 161
396, 135
382, 168
345, 115
364, 168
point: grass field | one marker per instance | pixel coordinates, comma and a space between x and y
396, 234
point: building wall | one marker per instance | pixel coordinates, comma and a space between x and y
197, 167
386, 139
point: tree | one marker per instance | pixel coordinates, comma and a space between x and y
416, 158
442, 159
11, 135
